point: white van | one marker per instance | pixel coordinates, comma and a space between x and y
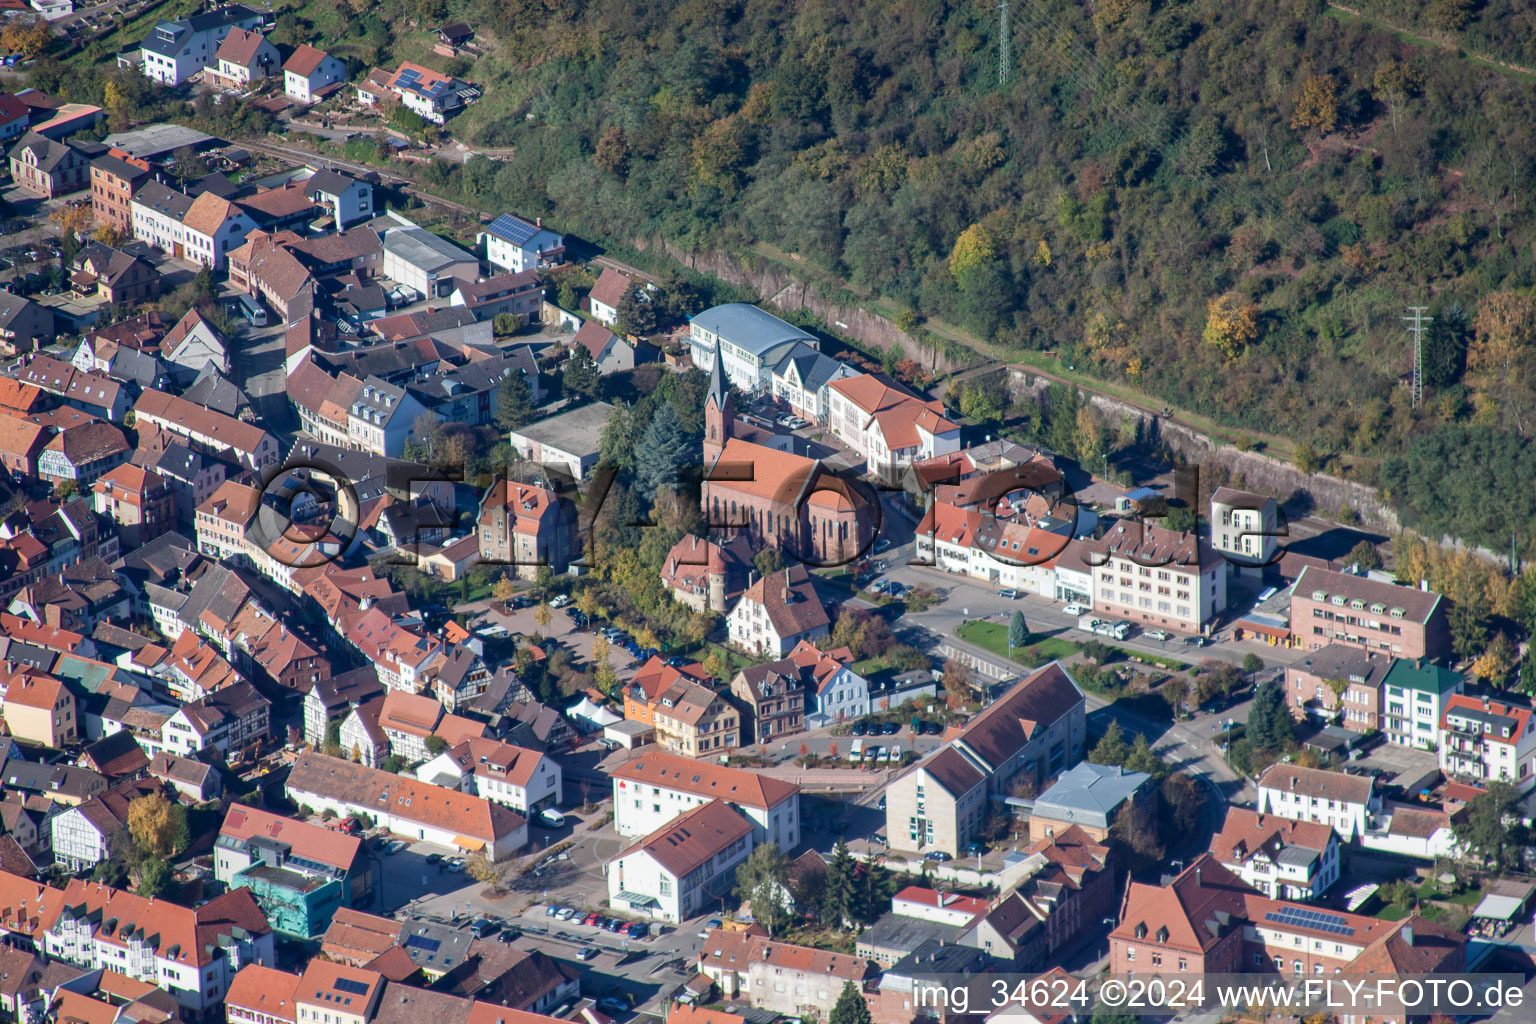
856, 752
550, 818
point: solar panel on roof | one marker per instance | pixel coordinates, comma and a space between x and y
1314, 919
356, 988
513, 229
423, 942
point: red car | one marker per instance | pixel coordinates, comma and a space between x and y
592, 919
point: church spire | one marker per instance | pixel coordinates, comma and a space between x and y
719, 413
717, 391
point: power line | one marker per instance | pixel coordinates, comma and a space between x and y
1417, 322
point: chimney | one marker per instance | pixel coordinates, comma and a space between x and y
538, 222
1197, 876
1293, 783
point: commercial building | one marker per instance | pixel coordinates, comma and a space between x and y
301, 873
651, 790
1157, 577
566, 443
684, 867
1341, 608
749, 341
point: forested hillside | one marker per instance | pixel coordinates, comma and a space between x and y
1227, 203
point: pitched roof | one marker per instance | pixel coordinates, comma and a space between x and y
611, 287
264, 990
1246, 833
1037, 701
950, 769
738, 786
1318, 783
241, 46
595, 338
402, 796
186, 936
1415, 605
216, 427
208, 213
750, 327
312, 842
693, 839
305, 60
734, 951
790, 600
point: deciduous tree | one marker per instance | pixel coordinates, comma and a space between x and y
762, 881
1231, 324
1317, 105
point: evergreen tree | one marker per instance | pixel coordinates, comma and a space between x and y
1491, 828
874, 896
1142, 758
763, 881
1112, 749
662, 451
851, 1007
616, 448
637, 314
1018, 631
580, 377
838, 895
514, 403
1270, 726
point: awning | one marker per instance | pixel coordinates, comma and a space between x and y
636, 900
465, 843
1497, 908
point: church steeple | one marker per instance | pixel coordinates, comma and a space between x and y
719, 413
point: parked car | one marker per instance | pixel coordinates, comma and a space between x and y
456, 865
1008, 594
587, 953
890, 729
434, 858
553, 910
873, 754
612, 1004
883, 544
860, 729
565, 914
976, 848
637, 929
895, 758
549, 818
397, 846
592, 918
1156, 634
483, 927
560, 601
1198, 641
613, 924
937, 855
1074, 609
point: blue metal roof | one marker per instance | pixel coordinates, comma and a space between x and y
749, 327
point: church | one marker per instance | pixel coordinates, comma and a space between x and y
774, 498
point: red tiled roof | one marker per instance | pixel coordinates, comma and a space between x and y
673, 771
313, 842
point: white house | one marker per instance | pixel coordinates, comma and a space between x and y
1414, 696
515, 245
888, 425
1157, 577
85, 835
433, 95
835, 692
407, 807
1283, 859
527, 781
750, 341
244, 57
174, 51
778, 612
1409, 831
211, 228
193, 954
684, 867
156, 211
194, 343
1488, 741
431, 265
604, 298
1245, 527
348, 199
653, 789
309, 71
1344, 802
802, 380
381, 418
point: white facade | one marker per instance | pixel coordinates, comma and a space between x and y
1289, 876
750, 628
158, 228
504, 846
543, 789
843, 697
516, 257
355, 738
78, 941
1348, 818
351, 204
77, 843
1180, 597
174, 51
213, 249
1244, 527
641, 808
677, 899
1488, 741
886, 457
304, 87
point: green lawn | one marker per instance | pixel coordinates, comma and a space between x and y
993, 636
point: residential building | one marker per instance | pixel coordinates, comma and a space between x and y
300, 873
694, 721
37, 708
433, 95
211, 228
347, 995
22, 323
101, 272
157, 211
243, 57
86, 390
528, 781
707, 576
1069, 888
897, 1000
835, 693
604, 298
1486, 740
514, 245
1281, 858
14, 116
428, 263
138, 500
803, 379
1343, 802
1208, 921
651, 790
214, 432
195, 781
1159, 577
193, 954
609, 352
1340, 682
781, 978
1091, 797
362, 738
888, 425
679, 870
409, 720
519, 295
566, 443
193, 344
772, 697
232, 721
525, 527
1038, 728
750, 341
85, 835
778, 612
1414, 698
348, 199
174, 51
261, 995
1336, 607
382, 416
407, 807
1246, 529
48, 168
222, 521
115, 176
309, 72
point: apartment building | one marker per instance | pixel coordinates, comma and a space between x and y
1281, 858
1245, 529
528, 781
524, 528
1157, 577
1414, 697
780, 977
1346, 803
1487, 740
1338, 681
651, 790
1343, 608
677, 871
888, 425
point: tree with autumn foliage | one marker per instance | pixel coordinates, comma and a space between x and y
1317, 105
1231, 324
1501, 360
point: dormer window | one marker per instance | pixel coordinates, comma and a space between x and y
1141, 930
